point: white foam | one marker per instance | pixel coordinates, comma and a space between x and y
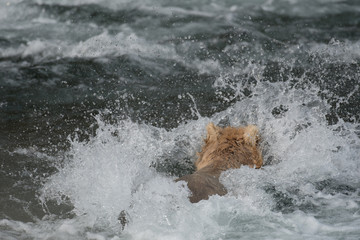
39, 49
338, 52
111, 173
307, 8
104, 45
122, 43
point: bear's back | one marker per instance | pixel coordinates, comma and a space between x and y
202, 185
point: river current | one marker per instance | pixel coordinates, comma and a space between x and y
104, 103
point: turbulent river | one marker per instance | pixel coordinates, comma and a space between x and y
104, 103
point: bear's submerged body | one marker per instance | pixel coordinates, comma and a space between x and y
224, 148
203, 184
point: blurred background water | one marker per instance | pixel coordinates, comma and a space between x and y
104, 103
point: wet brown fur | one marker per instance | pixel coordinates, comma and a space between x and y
224, 148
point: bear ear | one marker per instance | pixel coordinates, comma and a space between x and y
251, 135
212, 132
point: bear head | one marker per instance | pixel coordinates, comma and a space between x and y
229, 147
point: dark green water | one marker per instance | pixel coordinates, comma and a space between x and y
104, 103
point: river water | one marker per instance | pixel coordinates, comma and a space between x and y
104, 103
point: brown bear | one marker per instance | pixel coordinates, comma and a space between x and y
224, 148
